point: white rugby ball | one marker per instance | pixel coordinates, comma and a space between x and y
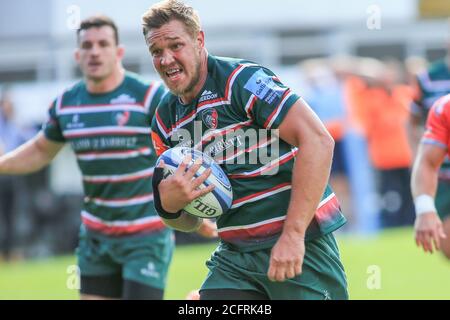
212, 204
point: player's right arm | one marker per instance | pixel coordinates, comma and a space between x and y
424, 179
37, 152
428, 226
179, 189
29, 157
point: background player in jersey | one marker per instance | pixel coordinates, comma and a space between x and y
124, 249
430, 232
430, 86
280, 226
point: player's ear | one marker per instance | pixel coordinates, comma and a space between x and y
201, 39
120, 52
76, 54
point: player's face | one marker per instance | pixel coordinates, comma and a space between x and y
176, 56
98, 53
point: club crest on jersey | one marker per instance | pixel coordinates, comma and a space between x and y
121, 118
75, 122
210, 118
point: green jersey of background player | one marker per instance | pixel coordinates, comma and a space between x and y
283, 214
124, 248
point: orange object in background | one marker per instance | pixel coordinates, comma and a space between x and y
335, 128
381, 114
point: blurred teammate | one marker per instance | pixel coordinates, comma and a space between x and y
124, 249
276, 241
432, 227
430, 86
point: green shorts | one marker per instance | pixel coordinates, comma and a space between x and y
322, 276
442, 199
141, 258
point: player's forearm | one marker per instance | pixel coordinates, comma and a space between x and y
424, 178
185, 223
28, 158
415, 133
310, 177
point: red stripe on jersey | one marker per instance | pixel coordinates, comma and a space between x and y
327, 209
101, 105
112, 152
161, 123
147, 94
101, 133
227, 89
122, 230
274, 112
259, 172
110, 180
250, 108
261, 193
262, 231
158, 144
182, 120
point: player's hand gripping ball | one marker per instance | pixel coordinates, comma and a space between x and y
214, 203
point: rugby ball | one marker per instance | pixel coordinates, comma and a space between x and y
212, 204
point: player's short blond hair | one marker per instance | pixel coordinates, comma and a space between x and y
168, 10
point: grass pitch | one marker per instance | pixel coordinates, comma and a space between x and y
386, 266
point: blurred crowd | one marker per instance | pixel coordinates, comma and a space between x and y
372, 99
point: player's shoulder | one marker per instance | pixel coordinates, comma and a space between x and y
239, 72
136, 81
441, 107
438, 70
227, 67
71, 93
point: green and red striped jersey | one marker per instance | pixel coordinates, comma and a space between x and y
234, 120
110, 135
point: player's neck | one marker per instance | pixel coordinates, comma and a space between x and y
203, 74
108, 84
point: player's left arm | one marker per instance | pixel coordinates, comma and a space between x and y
424, 179
301, 128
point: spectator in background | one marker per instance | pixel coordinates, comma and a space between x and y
380, 104
11, 136
124, 249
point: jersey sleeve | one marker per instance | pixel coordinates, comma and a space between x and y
51, 127
438, 124
264, 98
159, 131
